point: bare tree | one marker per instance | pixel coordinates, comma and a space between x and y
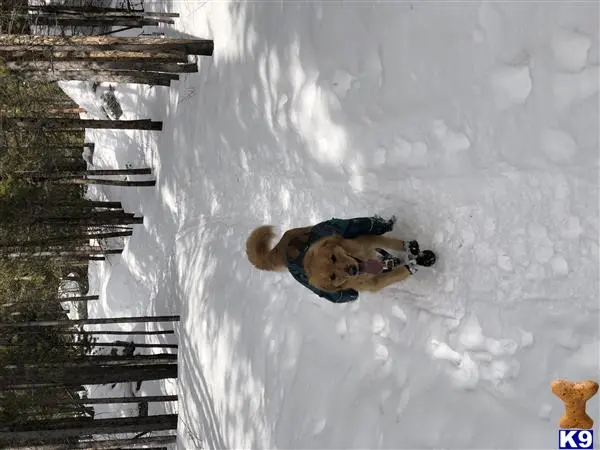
70, 323
52, 430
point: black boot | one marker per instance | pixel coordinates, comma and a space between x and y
413, 247
426, 259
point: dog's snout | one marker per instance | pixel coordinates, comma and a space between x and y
352, 270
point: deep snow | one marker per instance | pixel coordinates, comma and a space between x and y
476, 123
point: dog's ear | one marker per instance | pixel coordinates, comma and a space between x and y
324, 244
309, 258
348, 245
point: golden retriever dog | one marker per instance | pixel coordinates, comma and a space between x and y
334, 263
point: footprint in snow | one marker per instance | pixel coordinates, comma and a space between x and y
407, 153
558, 145
451, 141
571, 88
479, 357
511, 86
570, 50
379, 325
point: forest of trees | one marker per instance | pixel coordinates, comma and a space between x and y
49, 231
29, 285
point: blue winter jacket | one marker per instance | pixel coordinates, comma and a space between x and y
347, 228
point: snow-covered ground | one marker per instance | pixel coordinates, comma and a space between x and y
476, 123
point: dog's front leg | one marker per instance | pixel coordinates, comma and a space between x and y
378, 241
379, 282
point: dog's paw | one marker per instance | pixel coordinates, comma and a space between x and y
413, 247
412, 267
426, 259
390, 223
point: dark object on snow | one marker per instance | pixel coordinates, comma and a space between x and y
129, 349
426, 259
143, 409
111, 105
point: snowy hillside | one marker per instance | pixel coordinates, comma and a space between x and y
476, 123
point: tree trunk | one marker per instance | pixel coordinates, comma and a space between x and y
42, 54
63, 428
70, 323
62, 123
79, 298
54, 175
18, 251
109, 66
99, 181
100, 204
125, 333
54, 148
15, 42
109, 444
90, 145
115, 17
122, 344
65, 239
46, 377
74, 110
75, 165
107, 400
66, 255
152, 79
133, 22
84, 214
78, 204
92, 221
79, 10
144, 448
109, 234
95, 361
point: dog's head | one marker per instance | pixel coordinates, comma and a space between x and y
329, 265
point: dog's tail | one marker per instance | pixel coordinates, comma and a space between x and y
259, 251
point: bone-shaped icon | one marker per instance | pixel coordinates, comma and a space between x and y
575, 395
